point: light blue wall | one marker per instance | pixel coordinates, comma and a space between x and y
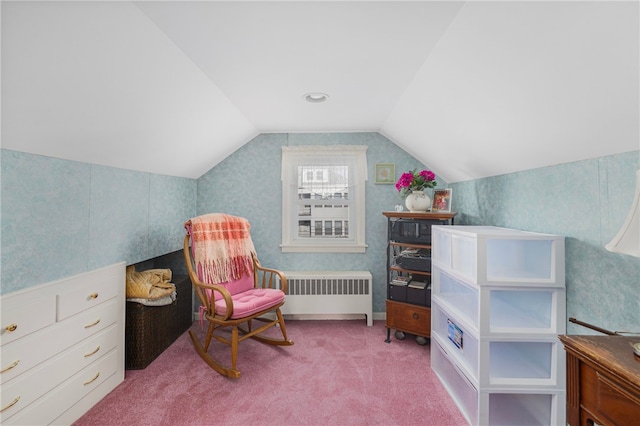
61, 218
248, 184
585, 201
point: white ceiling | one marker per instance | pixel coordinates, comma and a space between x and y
471, 89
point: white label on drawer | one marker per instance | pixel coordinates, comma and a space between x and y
455, 334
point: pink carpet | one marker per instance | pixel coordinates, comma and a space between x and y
336, 373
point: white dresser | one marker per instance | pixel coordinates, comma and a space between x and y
498, 305
61, 347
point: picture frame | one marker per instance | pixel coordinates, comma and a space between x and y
441, 200
385, 173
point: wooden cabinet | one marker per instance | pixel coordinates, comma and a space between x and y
410, 318
409, 272
62, 347
603, 380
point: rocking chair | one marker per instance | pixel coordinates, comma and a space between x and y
233, 288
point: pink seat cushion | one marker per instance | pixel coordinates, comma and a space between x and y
247, 300
250, 302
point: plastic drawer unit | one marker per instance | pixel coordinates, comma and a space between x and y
498, 305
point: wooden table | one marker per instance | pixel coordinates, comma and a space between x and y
603, 380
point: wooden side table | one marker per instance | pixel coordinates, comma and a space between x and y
603, 380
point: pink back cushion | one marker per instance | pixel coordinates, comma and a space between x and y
235, 286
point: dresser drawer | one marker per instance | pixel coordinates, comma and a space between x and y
66, 351
54, 404
25, 313
410, 318
21, 355
84, 292
36, 382
607, 399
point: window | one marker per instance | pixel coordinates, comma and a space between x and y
323, 189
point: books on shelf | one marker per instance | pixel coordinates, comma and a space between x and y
416, 252
420, 285
400, 281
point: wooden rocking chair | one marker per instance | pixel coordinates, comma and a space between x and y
232, 304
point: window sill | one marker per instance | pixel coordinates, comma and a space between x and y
325, 248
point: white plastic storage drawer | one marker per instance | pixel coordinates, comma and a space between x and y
464, 255
523, 409
459, 387
500, 256
457, 295
524, 310
518, 259
520, 363
440, 247
456, 338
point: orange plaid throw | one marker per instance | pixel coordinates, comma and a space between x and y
221, 246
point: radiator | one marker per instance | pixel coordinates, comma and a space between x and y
329, 292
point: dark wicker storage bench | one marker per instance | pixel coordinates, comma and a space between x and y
149, 330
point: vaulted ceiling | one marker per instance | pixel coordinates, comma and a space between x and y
471, 89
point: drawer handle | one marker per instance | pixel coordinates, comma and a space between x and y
93, 296
415, 315
14, 402
92, 324
94, 379
11, 328
11, 366
94, 351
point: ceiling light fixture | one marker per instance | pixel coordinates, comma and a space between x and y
315, 97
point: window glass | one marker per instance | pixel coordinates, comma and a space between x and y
323, 186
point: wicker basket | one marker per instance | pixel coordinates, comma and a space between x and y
149, 330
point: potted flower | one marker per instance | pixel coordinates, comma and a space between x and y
411, 186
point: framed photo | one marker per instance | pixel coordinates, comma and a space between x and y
386, 173
441, 200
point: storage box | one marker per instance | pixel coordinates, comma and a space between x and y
149, 330
398, 292
412, 230
415, 260
419, 293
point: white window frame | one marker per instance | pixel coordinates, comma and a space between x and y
355, 157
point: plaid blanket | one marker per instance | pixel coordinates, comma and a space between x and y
221, 247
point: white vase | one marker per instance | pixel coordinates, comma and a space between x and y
418, 201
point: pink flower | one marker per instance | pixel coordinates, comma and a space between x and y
404, 181
427, 175
415, 181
